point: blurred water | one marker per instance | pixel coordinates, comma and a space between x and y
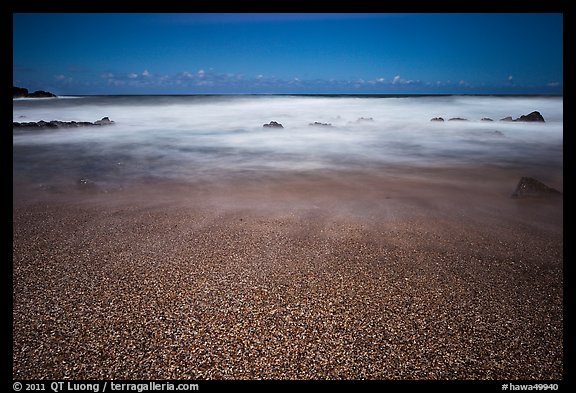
198, 137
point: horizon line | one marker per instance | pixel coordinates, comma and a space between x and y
303, 94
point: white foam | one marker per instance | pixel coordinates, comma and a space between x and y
186, 136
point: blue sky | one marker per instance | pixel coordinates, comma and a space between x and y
289, 53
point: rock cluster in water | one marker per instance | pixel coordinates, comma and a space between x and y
273, 124
318, 124
531, 117
61, 124
534, 116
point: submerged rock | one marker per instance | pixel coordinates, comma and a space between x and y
316, 123
507, 118
436, 119
486, 119
87, 185
365, 119
85, 182
273, 124
530, 187
533, 116
457, 119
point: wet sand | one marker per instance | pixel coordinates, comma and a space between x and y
374, 274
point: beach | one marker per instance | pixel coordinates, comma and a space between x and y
434, 273
285, 198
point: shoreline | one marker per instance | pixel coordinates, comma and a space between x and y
340, 275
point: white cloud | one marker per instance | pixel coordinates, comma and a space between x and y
204, 83
510, 77
59, 77
202, 78
553, 84
398, 80
464, 83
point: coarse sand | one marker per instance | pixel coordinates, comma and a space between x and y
436, 275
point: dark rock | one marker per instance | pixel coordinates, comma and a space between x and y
457, 119
104, 121
62, 124
18, 92
507, 118
40, 94
486, 119
25, 125
530, 187
436, 119
273, 124
316, 123
534, 116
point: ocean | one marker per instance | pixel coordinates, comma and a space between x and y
204, 138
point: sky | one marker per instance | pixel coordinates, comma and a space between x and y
83, 54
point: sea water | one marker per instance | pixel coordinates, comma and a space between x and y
190, 138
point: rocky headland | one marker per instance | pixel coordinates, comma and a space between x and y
21, 92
